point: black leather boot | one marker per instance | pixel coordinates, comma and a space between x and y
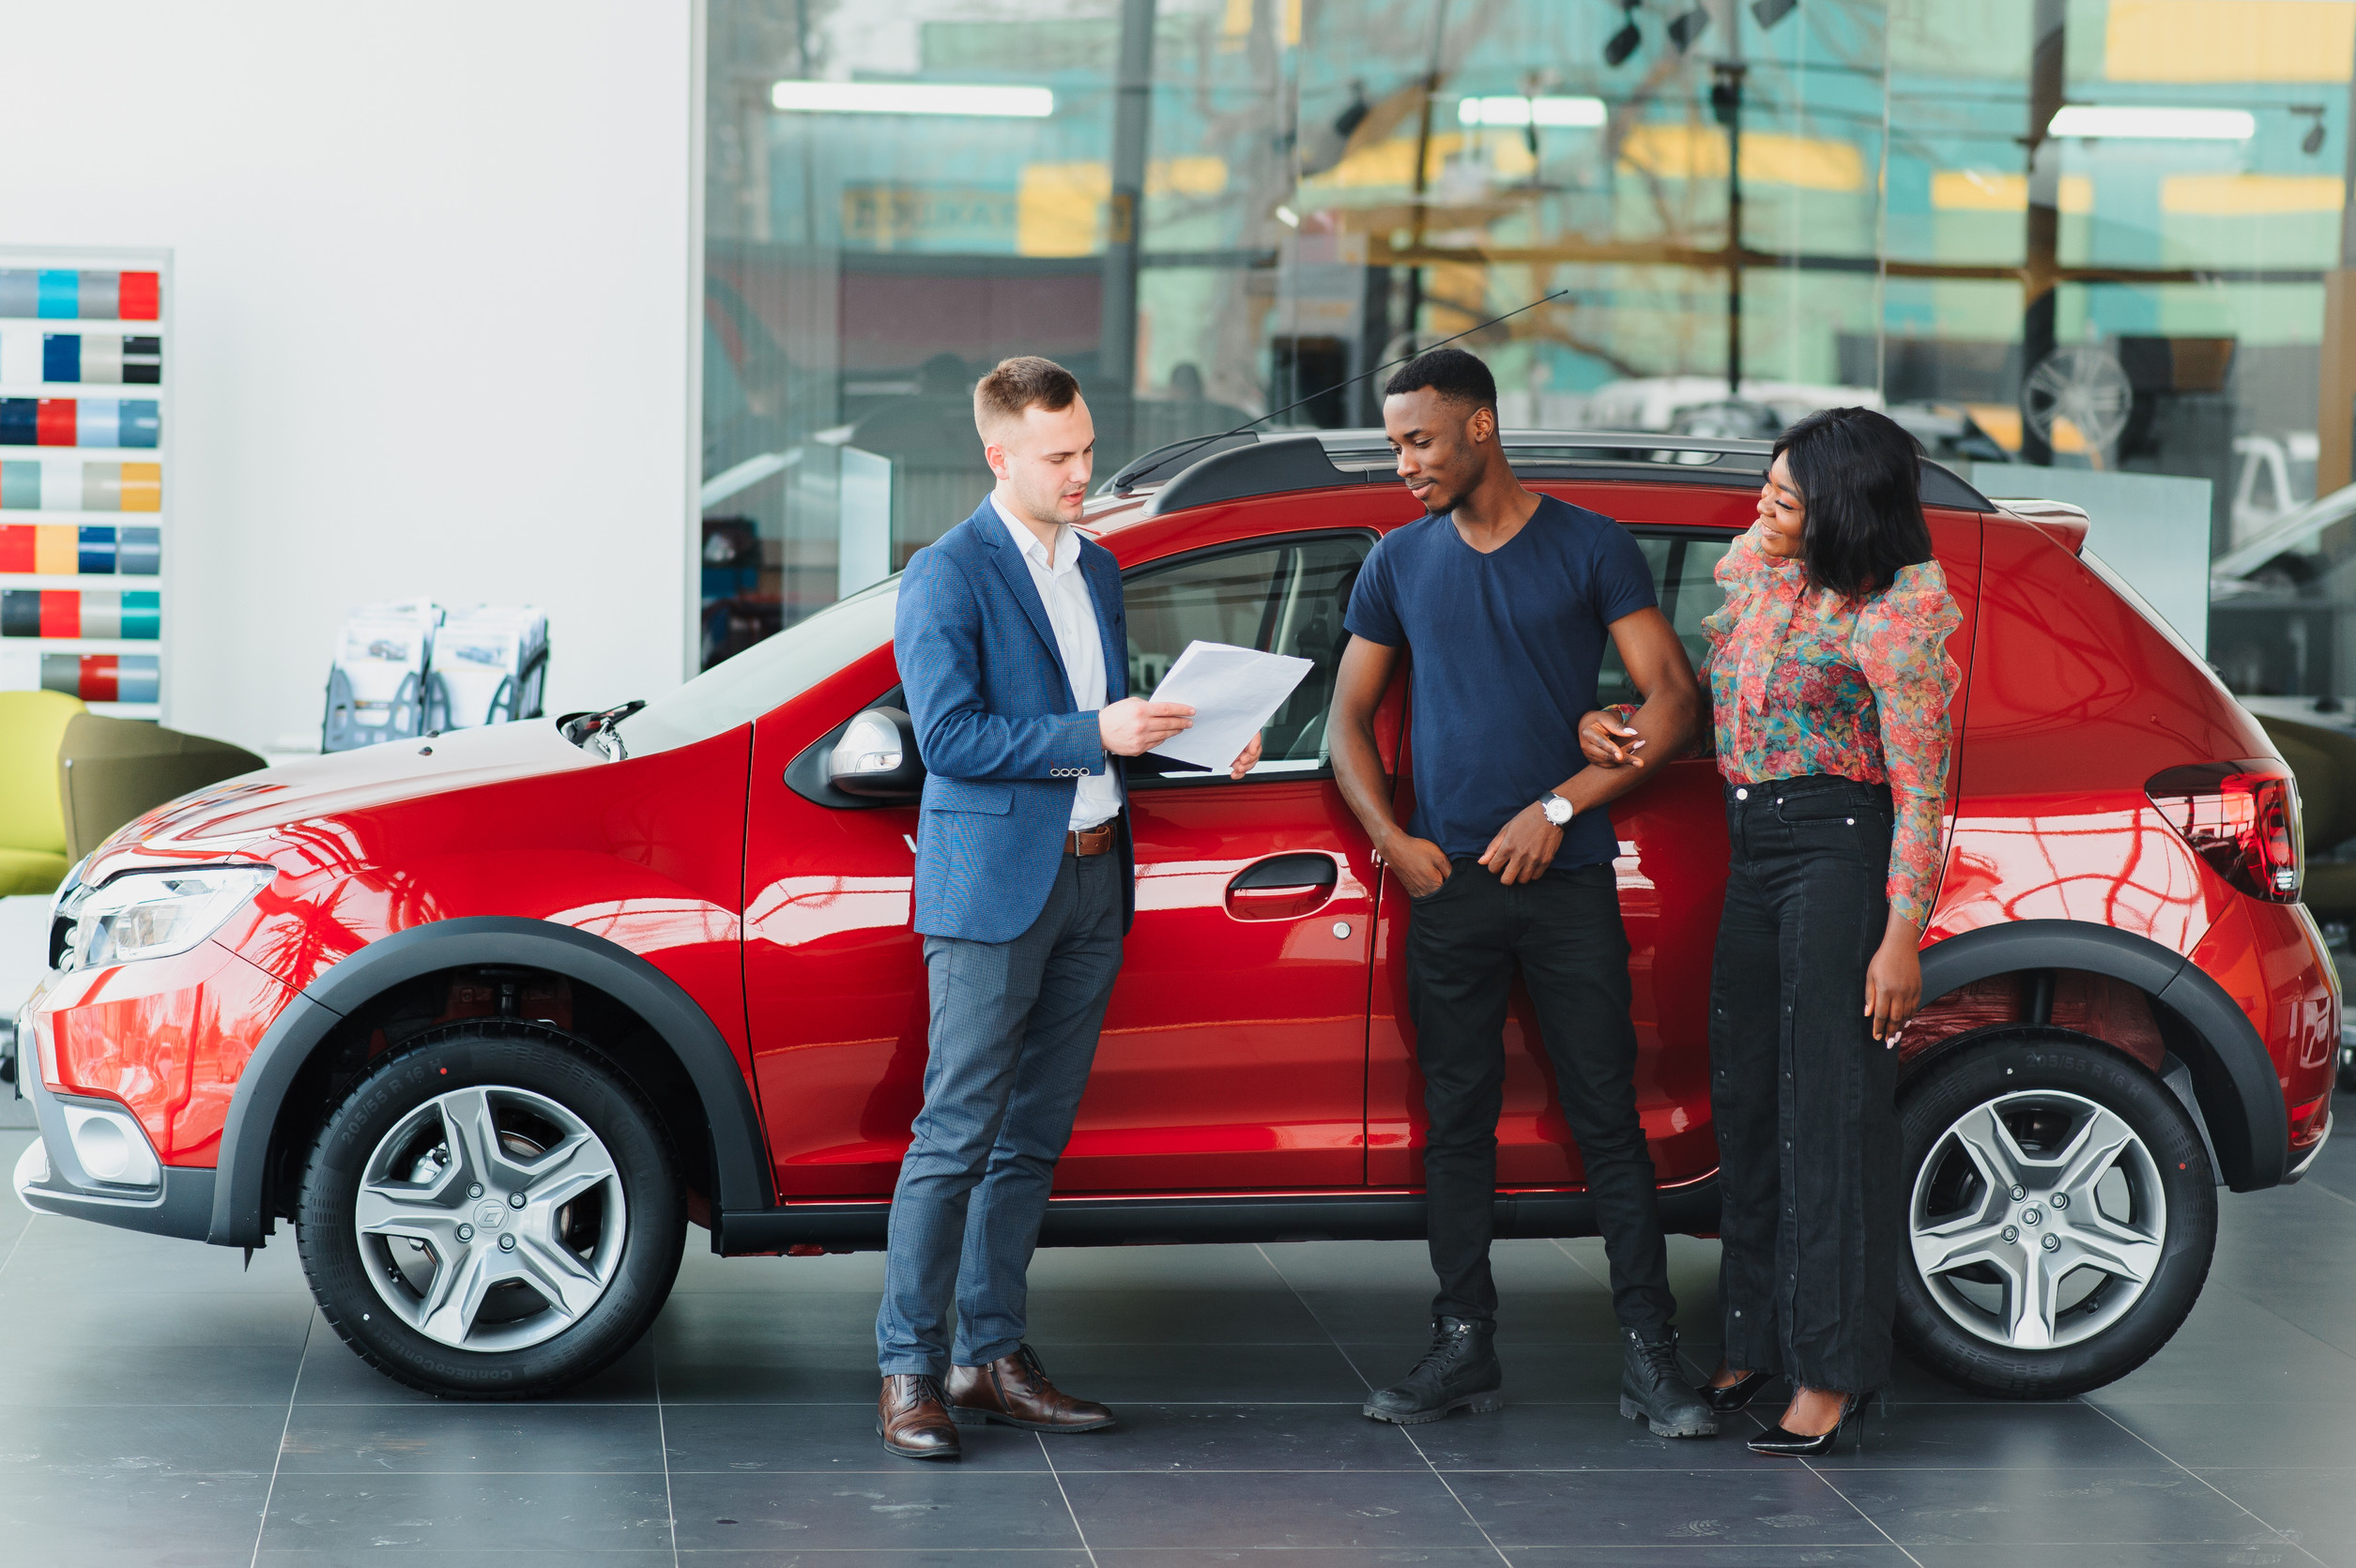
1459, 1373
1653, 1389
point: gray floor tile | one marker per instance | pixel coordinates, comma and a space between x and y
1873, 1554
758, 1324
1992, 1436
1240, 1438
2313, 1504
2045, 1508
2142, 1554
61, 1517
919, 1508
2233, 1349
93, 1441
373, 1557
1299, 1556
1186, 1315
1243, 1510
2243, 1433
121, 1317
1767, 1505
1582, 1436
949, 1556
447, 1438
140, 1375
824, 1440
467, 1512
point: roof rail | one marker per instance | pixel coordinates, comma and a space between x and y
1239, 466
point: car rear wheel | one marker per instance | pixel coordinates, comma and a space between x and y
493, 1212
2060, 1215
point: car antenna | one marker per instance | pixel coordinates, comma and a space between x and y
1362, 375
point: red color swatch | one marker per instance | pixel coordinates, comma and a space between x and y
141, 297
16, 547
57, 423
100, 673
61, 613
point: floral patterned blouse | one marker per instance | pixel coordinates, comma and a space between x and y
1807, 683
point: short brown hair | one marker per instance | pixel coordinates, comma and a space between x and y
1018, 384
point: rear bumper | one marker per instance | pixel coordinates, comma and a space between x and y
51, 1180
2303, 1159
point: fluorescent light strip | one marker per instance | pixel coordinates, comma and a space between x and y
1584, 112
2137, 121
913, 98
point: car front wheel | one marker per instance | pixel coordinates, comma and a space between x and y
2060, 1215
492, 1213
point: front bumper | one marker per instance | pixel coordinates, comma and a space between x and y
51, 1180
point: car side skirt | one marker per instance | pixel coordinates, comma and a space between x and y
1115, 1222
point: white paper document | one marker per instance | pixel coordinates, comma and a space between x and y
1233, 692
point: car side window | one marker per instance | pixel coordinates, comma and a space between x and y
1280, 596
1684, 571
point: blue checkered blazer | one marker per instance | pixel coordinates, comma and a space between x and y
1002, 740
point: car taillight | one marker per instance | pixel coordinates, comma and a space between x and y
2243, 818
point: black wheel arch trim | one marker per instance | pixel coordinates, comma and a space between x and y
2241, 1098
741, 1172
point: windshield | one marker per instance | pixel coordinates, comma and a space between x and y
774, 670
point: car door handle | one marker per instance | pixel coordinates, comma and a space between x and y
1282, 887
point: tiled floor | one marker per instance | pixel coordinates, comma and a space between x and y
161, 1404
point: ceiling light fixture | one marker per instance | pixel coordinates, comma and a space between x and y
1624, 42
1766, 13
2311, 143
1585, 112
1686, 28
913, 98
2137, 121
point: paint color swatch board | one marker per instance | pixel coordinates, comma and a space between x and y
85, 490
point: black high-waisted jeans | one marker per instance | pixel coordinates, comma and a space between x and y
1804, 1094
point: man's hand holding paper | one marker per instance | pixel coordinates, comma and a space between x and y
1233, 692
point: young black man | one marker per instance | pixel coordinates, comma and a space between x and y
1505, 598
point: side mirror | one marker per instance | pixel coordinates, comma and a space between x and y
877, 757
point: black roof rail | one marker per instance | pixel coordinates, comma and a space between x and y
1237, 466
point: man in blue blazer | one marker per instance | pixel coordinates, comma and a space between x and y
1014, 657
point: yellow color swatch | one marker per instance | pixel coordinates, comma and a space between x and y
1993, 191
2229, 41
57, 548
143, 487
1699, 152
2249, 195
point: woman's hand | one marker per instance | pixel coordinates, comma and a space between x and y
1894, 981
1606, 742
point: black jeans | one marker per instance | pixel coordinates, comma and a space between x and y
1463, 943
1804, 1096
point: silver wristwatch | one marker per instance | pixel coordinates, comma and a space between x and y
1557, 809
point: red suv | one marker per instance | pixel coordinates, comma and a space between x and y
493, 1016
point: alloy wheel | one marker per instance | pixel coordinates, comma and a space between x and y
2038, 1219
490, 1218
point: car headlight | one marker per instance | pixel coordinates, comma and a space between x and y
153, 914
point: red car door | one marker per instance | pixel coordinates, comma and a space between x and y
1233, 1055
1671, 872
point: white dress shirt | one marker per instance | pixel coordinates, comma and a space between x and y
1072, 611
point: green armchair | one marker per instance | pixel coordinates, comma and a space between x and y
33, 857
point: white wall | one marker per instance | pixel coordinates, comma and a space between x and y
431, 333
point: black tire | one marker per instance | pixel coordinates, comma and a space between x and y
2037, 1081
522, 1066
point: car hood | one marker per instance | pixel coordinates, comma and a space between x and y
241, 816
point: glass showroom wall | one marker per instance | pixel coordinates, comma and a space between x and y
2098, 239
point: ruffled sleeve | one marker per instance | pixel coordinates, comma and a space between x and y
1900, 645
1742, 571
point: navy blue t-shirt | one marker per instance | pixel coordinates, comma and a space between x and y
1504, 652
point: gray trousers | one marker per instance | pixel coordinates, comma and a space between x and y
1013, 1036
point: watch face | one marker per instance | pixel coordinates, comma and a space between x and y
1557, 809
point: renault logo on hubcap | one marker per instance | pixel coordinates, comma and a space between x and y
490, 1213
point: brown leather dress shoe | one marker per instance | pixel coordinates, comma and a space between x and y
912, 1419
1014, 1391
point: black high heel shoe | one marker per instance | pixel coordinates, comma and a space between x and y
1778, 1443
1735, 1395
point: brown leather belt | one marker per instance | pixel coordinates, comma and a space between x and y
1090, 840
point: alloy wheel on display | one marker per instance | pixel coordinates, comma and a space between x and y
2038, 1219
490, 1218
